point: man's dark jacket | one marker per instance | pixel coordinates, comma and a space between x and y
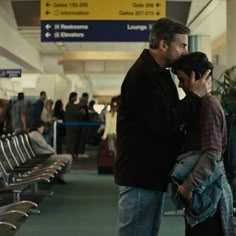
148, 123
38, 108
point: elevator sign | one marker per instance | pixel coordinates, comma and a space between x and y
99, 20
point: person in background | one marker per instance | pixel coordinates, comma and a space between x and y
2, 119
19, 115
103, 118
39, 105
205, 143
103, 112
40, 146
110, 126
8, 124
83, 130
48, 119
72, 114
59, 114
149, 117
93, 136
29, 113
93, 115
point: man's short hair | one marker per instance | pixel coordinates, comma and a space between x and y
20, 96
42, 93
85, 95
166, 29
195, 61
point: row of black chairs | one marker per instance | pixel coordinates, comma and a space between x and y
21, 169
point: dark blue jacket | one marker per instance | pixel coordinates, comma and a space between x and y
38, 108
206, 196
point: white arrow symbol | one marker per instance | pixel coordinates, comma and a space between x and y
48, 35
47, 26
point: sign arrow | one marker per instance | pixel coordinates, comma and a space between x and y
47, 35
48, 4
157, 13
48, 12
47, 26
158, 4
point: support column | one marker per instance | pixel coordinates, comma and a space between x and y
230, 32
200, 43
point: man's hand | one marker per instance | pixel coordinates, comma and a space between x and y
182, 191
203, 86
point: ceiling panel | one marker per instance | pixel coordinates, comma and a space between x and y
210, 20
7, 64
195, 8
44, 48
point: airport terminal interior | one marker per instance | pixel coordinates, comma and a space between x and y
83, 200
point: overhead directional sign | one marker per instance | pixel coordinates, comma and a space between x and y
99, 20
95, 31
9, 73
102, 9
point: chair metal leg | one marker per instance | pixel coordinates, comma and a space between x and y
34, 211
16, 195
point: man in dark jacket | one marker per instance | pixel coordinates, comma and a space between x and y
83, 130
72, 114
38, 106
148, 124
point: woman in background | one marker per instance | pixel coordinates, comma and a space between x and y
47, 118
110, 126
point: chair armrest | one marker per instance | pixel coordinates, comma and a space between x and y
13, 212
6, 226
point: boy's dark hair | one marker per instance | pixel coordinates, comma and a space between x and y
166, 29
195, 61
35, 125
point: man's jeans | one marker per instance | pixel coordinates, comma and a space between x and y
140, 211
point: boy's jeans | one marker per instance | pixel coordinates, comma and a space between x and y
140, 211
